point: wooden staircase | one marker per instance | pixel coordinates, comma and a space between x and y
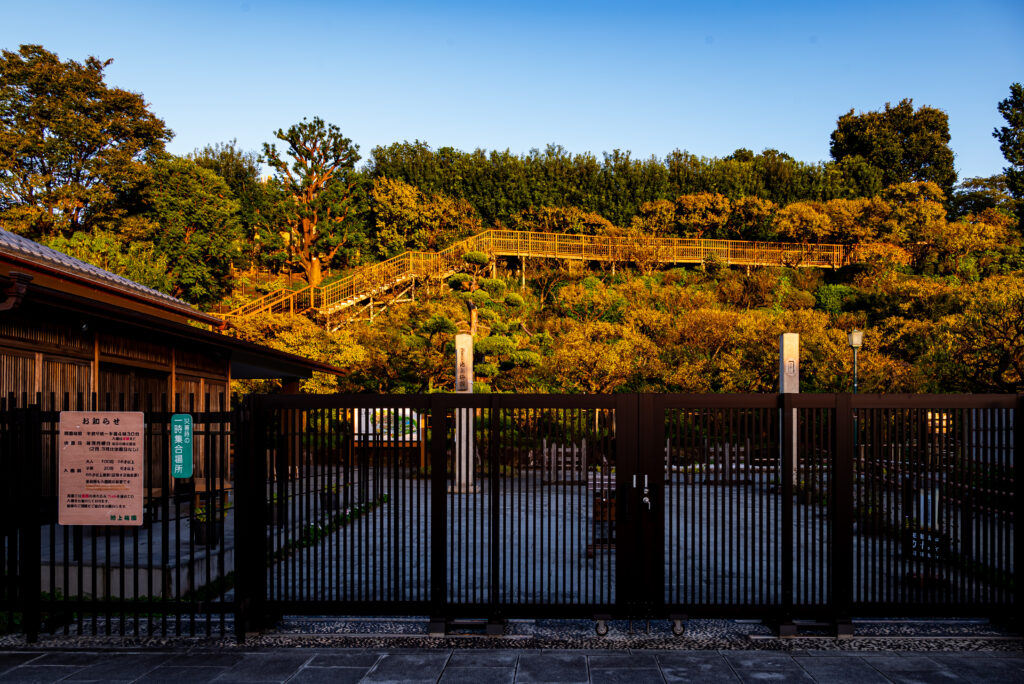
377, 279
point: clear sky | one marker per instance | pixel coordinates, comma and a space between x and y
648, 77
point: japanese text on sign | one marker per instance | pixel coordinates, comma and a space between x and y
181, 445
100, 471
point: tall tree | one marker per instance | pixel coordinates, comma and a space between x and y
69, 144
318, 178
975, 195
240, 169
194, 222
137, 260
405, 218
1011, 142
906, 145
988, 340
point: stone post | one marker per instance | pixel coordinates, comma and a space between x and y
464, 416
789, 383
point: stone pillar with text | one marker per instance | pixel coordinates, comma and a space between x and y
789, 383
464, 416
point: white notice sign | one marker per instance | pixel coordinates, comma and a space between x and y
100, 469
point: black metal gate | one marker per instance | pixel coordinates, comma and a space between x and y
778, 507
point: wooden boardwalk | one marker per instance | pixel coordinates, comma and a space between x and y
378, 278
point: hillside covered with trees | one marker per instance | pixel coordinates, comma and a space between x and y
936, 284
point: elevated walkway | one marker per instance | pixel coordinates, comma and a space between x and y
377, 279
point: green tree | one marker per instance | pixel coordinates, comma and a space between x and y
241, 171
300, 336
404, 218
906, 145
318, 180
975, 195
599, 357
194, 222
69, 144
569, 220
590, 300
988, 340
1011, 142
500, 184
136, 260
702, 215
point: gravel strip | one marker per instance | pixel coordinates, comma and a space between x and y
716, 635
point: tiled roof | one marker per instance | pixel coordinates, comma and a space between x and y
33, 251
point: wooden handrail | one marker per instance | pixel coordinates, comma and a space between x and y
377, 277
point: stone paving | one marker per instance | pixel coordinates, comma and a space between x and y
495, 666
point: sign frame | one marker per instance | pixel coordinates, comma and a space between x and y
181, 449
101, 468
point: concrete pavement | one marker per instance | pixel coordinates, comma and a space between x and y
499, 666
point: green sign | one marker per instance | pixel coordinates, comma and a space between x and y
181, 445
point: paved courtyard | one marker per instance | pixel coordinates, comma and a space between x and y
451, 666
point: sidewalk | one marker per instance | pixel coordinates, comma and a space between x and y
486, 666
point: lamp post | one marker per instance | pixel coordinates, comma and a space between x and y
855, 338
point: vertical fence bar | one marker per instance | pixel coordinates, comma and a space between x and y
840, 502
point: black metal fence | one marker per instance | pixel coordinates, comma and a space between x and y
778, 507
170, 575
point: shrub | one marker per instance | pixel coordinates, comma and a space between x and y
832, 298
485, 370
476, 258
495, 345
460, 281
495, 287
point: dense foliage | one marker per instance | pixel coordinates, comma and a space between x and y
935, 281
501, 184
904, 144
1011, 142
69, 145
685, 330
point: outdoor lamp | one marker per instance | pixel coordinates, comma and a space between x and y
856, 339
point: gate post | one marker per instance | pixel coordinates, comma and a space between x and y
495, 618
1018, 496
786, 626
438, 517
27, 449
651, 471
628, 578
841, 517
250, 426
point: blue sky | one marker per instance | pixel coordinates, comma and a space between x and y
649, 77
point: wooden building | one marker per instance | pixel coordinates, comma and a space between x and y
69, 329
76, 337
